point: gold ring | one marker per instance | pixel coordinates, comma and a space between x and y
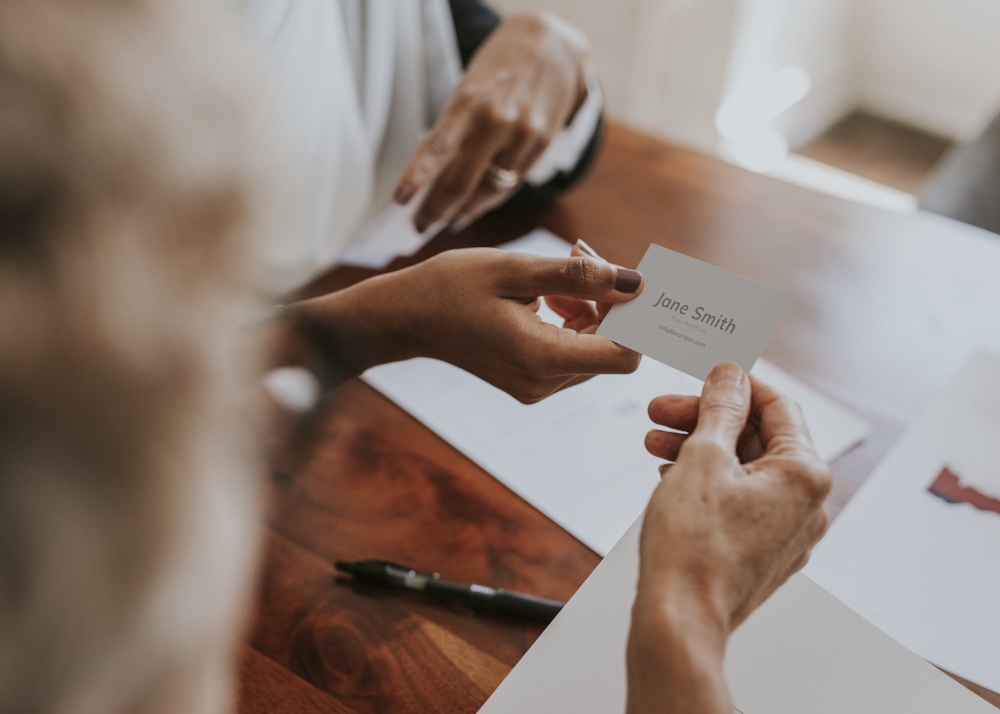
502, 179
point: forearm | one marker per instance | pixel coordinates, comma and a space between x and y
346, 332
674, 661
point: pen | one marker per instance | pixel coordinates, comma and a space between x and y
481, 597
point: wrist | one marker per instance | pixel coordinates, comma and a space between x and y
356, 328
682, 602
678, 617
675, 658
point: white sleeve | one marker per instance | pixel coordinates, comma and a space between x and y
568, 145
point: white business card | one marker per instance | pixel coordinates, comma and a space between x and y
692, 315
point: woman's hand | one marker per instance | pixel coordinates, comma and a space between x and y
520, 89
477, 309
577, 314
733, 518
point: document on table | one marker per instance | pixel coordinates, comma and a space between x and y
693, 315
578, 455
389, 236
917, 550
801, 652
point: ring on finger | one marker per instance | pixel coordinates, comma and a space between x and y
502, 179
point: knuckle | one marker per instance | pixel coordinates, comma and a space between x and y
515, 268
522, 128
704, 449
587, 274
492, 117
815, 479
729, 404
573, 272
789, 405
439, 143
463, 100
539, 128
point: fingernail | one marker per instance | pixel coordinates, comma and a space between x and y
627, 281
587, 249
403, 193
726, 373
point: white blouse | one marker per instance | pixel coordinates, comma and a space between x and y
355, 85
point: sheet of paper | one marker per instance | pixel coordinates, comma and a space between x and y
578, 455
917, 550
388, 237
692, 315
801, 652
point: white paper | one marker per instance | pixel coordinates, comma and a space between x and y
924, 570
692, 315
577, 456
801, 652
390, 235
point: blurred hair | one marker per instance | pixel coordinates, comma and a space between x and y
129, 184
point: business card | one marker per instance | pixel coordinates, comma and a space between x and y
692, 315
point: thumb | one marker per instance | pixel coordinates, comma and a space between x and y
724, 405
581, 277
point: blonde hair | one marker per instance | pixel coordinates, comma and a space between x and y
129, 184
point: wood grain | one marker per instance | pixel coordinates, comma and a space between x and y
886, 308
371, 482
268, 688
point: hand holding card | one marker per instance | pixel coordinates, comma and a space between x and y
693, 315
476, 308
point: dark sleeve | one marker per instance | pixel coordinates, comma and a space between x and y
474, 21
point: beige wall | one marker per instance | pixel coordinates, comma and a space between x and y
665, 65
611, 27
932, 63
662, 63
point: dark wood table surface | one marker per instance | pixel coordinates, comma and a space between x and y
887, 307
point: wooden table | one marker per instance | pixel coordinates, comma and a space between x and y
887, 308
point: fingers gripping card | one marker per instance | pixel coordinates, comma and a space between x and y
692, 315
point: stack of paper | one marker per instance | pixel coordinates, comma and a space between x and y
917, 550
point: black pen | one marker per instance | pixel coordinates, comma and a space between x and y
379, 572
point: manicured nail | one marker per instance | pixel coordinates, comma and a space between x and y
587, 249
403, 193
726, 373
627, 281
